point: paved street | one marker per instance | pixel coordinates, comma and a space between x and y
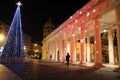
54, 71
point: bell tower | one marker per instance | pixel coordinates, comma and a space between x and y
48, 27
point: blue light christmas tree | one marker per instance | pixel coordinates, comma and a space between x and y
14, 46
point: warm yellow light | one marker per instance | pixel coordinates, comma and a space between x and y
35, 44
1, 37
36, 51
24, 47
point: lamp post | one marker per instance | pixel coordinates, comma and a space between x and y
2, 38
36, 50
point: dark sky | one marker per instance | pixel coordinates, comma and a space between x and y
35, 13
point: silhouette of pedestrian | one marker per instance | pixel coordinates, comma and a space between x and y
40, 57
67, 59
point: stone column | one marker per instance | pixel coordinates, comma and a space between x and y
57, 50
65, 47
98, 55
111, 50
88, 49
53, 54
53, 51
73, 46
60, 49
82, 44
117, 11
118, 43
55, 58
49, 49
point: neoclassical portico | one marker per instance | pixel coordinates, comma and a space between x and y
90, 35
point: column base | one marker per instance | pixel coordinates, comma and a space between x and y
82, 64
117, 69
112, 63
72, 62
98, 65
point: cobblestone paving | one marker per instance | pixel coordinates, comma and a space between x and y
54, 71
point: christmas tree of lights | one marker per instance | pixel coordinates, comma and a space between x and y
14, 46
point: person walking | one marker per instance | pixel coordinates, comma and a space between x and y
40, 57
67, 59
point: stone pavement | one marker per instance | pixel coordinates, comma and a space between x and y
6, 74
34, 70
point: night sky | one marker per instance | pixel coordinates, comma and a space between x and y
35, 13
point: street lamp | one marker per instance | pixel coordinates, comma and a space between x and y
1, 41
1, 37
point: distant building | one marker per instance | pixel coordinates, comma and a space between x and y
48, 28
27, 42
3, 33
36, 48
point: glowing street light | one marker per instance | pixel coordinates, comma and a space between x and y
1, 37
1, 42
35, 44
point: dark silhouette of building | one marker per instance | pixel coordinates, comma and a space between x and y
48, 27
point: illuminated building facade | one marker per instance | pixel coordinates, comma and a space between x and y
27, 42
90, 35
